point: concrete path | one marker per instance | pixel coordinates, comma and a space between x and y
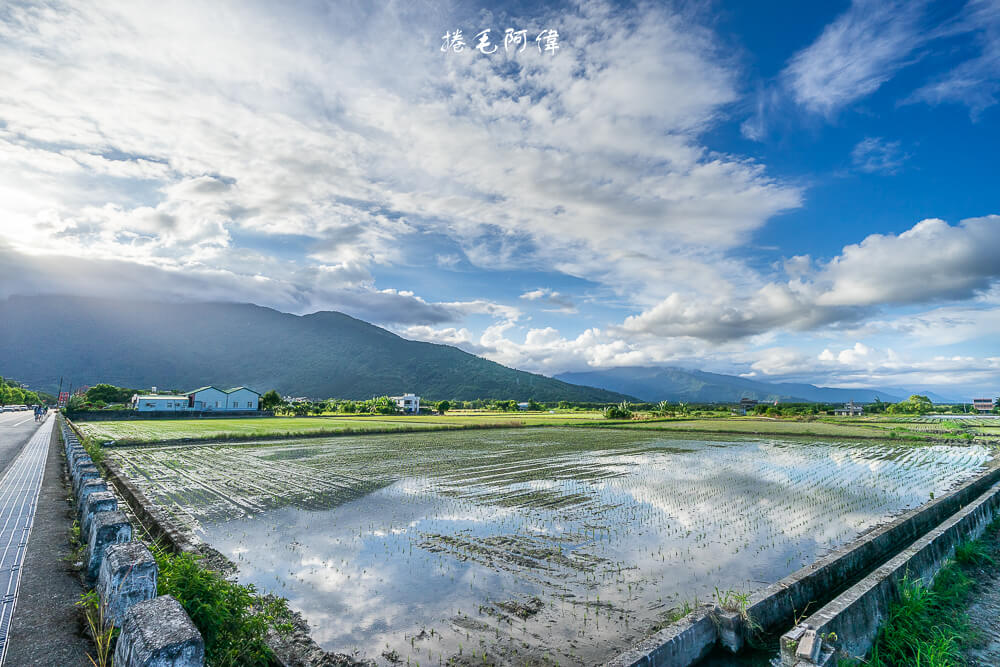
19, 488
48, 627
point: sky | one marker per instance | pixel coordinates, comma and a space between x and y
786, 191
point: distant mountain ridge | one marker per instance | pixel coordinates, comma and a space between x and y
183, 345
679, 384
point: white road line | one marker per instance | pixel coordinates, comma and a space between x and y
22, 422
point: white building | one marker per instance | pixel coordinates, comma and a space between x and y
203, 399
241, 398
159, 402
407, 403
850, 409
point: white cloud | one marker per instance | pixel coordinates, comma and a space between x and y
168, 133
975, 82
560, 303
874, 154
862, 49
932, 261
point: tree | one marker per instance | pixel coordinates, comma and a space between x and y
109, 393
444, 406
532, 405
270, 400
621, 411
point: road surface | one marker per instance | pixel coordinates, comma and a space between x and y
16, 428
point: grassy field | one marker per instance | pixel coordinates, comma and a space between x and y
147, 431
156, 430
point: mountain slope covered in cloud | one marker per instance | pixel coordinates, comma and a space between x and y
679, 384
185, 345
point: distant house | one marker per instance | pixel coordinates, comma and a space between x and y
744, 407
983, 405
524, 406
850, 409
159, 402
407, 403
203, 399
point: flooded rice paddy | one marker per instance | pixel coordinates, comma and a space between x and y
527, 546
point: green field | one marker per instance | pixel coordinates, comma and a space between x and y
156, 430
147, 431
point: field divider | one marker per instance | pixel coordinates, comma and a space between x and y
780, 605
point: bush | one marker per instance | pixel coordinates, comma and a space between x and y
233, 619
620, 411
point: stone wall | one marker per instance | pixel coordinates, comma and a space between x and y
155, 630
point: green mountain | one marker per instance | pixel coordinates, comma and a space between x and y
679, 384
185, 345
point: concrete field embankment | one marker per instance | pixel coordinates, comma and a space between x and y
775, 608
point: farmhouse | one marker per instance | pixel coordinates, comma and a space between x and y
407, 403
203, 399
159, 402
983, 405
745, 406
850, 409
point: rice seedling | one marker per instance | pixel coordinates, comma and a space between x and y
526, 543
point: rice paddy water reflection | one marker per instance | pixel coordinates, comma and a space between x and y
528, 546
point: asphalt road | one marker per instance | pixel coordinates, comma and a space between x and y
15, 430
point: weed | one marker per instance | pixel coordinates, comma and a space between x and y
973, 552
102, 630
233, 619
927, 626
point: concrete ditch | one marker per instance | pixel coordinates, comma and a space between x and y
847, 626
775, 608
155, 630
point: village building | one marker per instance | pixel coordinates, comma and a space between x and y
407, 403
983, 405
744, 407
203, 399
159, 402
850, 409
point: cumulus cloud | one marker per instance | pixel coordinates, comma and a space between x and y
154, 133
931, 262
558, 302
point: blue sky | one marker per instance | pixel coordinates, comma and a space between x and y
782, 190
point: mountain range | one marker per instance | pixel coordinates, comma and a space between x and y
184, 345
678, 384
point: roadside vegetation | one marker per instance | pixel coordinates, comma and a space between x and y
929, 626
12, 393
233, 619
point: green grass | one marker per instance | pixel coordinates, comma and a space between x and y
928, 626
233, 619
159, 430
156, 430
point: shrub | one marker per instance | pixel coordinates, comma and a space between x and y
620, 411
233, 619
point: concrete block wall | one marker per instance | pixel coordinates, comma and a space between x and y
155, 631
854, 617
